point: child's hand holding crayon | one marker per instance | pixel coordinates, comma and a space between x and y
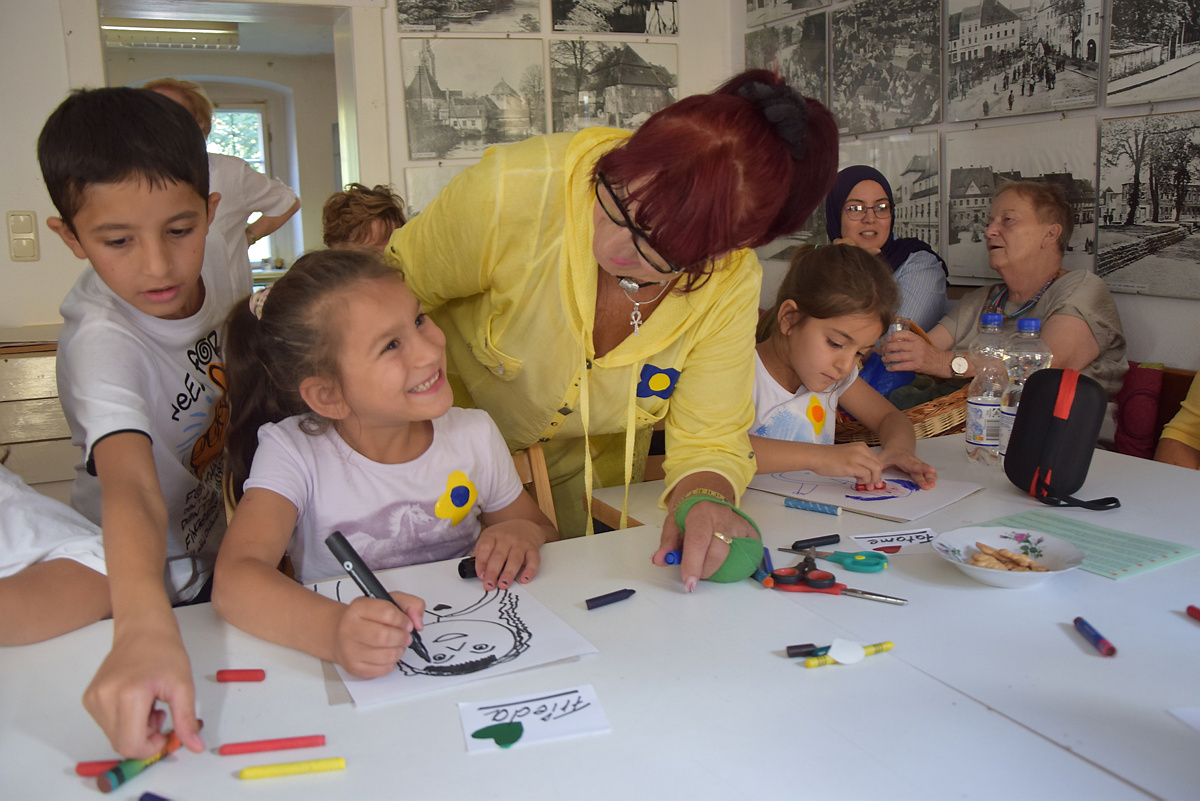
145, 665
372, 634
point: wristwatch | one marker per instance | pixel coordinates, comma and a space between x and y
959, 366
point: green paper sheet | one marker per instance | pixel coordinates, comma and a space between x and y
1107, 552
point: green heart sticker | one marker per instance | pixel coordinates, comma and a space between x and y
505, 734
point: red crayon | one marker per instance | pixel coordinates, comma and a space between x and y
96, 768
252, 674
1194, 611
280, 744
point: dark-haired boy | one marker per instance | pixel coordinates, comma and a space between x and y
141, 381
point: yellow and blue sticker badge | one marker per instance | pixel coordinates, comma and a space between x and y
816, 415
457, 500
657, 381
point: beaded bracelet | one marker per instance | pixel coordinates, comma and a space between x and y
745, 553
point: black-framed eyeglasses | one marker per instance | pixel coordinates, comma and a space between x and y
620, 217
857, 211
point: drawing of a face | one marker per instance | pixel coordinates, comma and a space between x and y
487, 633
806, 483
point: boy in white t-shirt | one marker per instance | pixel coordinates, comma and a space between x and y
141, 380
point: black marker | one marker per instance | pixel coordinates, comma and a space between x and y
353, 564
609, 598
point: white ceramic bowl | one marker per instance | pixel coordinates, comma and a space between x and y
958, 546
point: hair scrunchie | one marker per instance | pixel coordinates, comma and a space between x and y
745, 553
784, 108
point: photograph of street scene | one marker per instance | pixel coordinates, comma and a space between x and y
1153, 51
463, 95
795, 49
618, 84
470, 16
652, 17
1010, 57
980, 161
887, 65
1149, 206
764, 11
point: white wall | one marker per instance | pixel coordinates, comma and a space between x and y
305, 83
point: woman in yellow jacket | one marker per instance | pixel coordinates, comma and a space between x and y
591, 284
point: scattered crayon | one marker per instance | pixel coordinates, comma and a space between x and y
280, 744
250, 674
112, 779
1194, 612
95, 768
292, 768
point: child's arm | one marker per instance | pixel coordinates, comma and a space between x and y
895, 431
851, 459
366, 637
509, 543
148, 662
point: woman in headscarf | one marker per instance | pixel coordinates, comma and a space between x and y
860, 210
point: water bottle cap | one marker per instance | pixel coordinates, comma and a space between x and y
1029, 324
991, 319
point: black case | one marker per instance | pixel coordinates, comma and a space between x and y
1054, 435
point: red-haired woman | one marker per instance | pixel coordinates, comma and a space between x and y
591, 284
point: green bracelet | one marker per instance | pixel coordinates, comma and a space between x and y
745, 553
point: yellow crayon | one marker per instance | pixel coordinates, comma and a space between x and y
868, 650
292, 768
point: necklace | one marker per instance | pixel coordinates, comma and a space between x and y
629, 285
635, 316
996, 304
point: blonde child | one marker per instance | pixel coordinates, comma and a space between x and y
342, 420
833, 305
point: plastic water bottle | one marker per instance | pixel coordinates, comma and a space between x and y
1027, 353
986, 390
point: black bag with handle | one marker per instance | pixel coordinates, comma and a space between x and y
1054, 435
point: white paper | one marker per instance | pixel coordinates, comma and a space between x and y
847, 652
1189, 715
912, 540
470, 634
497, 725
902, 500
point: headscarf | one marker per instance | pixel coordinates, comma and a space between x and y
894, 251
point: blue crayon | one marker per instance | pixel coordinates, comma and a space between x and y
812, 506
673, 557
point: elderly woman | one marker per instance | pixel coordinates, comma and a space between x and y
860, 210
591, 284
1029, 226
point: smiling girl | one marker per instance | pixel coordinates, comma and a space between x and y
833, 304
342, 420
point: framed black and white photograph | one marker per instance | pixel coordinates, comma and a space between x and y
796, 49
760, 12
470, 16
1149, 207
617, 84
980, 161
1153, 51
912, 165
887, 65
422, 184
1010, 57
651, 17
464, 95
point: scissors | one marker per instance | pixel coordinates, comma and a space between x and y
804, 578
857, 562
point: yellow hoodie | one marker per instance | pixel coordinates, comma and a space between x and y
502, 259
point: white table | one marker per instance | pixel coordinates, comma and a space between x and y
702, 701
1016, 651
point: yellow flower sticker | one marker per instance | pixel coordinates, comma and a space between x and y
457, 500
816, 414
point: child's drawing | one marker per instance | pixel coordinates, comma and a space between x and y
805, 482
468, 633
470, 640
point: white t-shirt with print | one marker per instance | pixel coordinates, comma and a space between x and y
120, 369
802, 416
244, 190
393, 514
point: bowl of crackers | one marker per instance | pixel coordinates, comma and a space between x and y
1007, 557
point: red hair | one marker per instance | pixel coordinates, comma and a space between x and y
712, 174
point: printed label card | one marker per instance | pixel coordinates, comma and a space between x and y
493, 725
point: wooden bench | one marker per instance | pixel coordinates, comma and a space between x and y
32, 426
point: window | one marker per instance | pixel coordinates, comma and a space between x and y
241, 132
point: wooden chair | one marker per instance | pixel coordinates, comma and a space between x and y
33, 430
531, 468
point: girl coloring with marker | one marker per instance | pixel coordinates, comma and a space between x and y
833, 305
341, 420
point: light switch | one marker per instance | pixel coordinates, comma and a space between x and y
22, 235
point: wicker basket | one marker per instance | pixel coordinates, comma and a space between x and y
944, 415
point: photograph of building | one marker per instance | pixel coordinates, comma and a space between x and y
796, 49
618, 84
1153, 51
